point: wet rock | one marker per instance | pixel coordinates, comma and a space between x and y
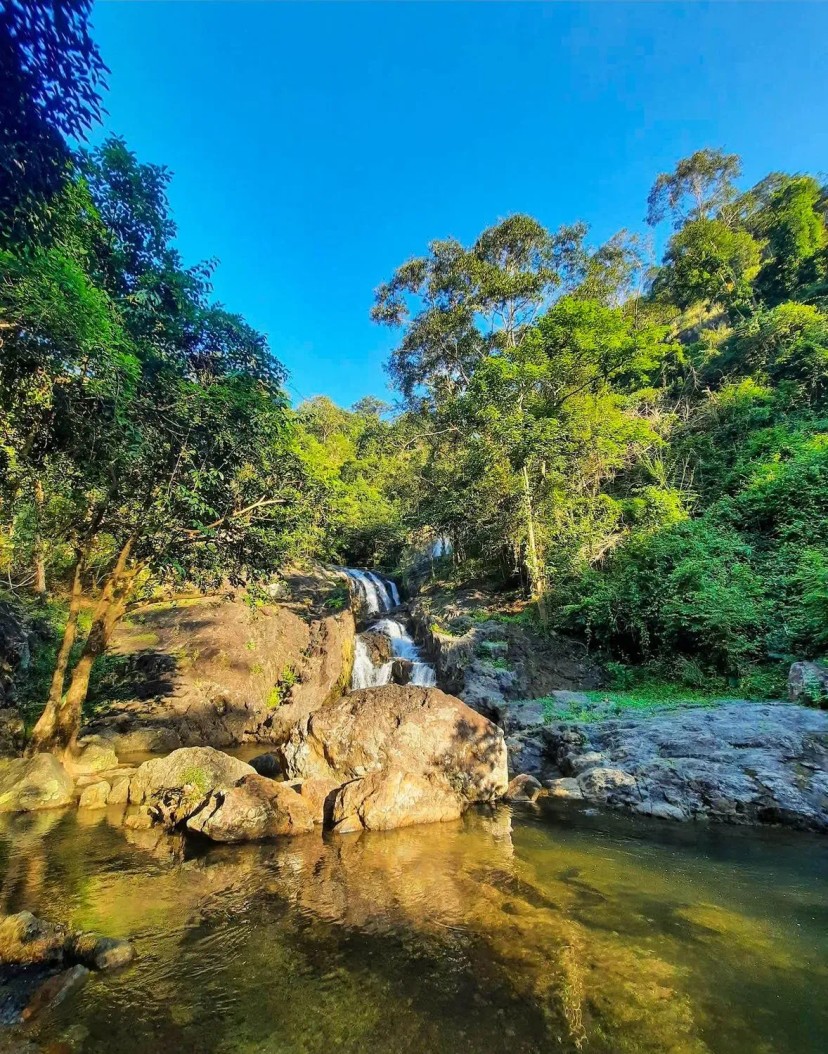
808, 683
40, 782
26, 940
140, 820
566, 787
95, 796
401, 670
379, 647
198, 770
254, 809
416, 730
100, 953
51, 992
318, 795
266, 765
523, 788
392, 798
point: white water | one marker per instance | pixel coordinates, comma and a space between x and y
380, 595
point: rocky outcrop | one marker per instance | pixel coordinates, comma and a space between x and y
221, 671
195, 771
318, 795
394, 798
253, 809
39, 782
735, 762
488, 662
414, 730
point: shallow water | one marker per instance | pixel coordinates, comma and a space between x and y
535, 929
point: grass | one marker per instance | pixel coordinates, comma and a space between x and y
646, 700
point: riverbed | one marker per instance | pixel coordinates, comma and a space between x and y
528, 929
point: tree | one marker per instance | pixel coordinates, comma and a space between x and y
795, 236
52, 78
697, 188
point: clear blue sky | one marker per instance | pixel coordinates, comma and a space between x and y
317, 146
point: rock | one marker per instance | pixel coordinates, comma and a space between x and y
140, 820
94, 757
100, 953
523, 788
606, 785
119, 794
583, 762
95, 796
255, 808
53, 991
401, 670
393, 798
521, 716
808, 683
416, 730
40, 782
26, 940
733, 762
567, 787
379, 647
266, 765
199, 670
318, 795
201, 769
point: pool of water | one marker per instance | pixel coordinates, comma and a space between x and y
531, 929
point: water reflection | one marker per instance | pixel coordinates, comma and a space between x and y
502, 932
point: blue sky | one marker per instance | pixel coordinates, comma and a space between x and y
317, 146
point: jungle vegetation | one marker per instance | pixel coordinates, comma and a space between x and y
641, 446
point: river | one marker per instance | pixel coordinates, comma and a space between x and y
530, 929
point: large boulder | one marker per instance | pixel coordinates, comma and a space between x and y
39, 782
393, 798
255, 808
415, 730
195, 770
808, 683
318, 795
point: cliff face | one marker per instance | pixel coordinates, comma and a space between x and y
221, 671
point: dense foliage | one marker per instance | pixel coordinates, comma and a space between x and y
644, 447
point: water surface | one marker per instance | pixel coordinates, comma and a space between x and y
538, 929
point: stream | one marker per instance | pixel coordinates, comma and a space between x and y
529, 929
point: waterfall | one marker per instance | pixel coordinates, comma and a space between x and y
366, 674
381, 595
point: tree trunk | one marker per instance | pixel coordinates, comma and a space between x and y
69, 634
39, 558
536, 576
60, 722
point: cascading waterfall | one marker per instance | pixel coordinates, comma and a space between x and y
380, 595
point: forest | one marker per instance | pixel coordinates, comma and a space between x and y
632, 434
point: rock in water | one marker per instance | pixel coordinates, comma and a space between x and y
266, 765
318, 795
201, 768
255, 808
40, 782
414, 730
523, 788
393, 798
